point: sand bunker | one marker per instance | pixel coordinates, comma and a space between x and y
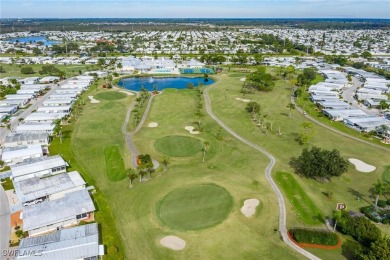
191, 130
362, 166
243, 100
94, 101
249, 208
173, 242
128, 93
242, 79
152, 124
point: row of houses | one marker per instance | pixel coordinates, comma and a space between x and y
327, 95
51, 202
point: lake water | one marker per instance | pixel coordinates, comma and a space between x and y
34, 39
135, 84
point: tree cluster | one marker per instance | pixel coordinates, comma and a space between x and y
259, 80
307, 76
319, 163
371, 244
27, 70
51, 70
336, 59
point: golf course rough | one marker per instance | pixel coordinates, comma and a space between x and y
195, 207
178, 146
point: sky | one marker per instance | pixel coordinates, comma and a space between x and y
195, 9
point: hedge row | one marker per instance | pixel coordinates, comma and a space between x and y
314, 237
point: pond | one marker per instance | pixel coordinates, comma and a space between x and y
135, 84
33, 39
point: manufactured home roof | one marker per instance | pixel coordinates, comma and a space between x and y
71, 243
55, 211
34, 188
37, 165
24, 137
10, 153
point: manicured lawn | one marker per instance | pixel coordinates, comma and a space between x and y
111, 95
195, 207
7, 184
178, 146
14, 70
228, 164
297, 197
114, 163
273, 104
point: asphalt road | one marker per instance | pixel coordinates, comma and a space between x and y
350, 92
5, 222
268, 172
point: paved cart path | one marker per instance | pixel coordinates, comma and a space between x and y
268, 172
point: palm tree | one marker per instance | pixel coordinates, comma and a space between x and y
57, 129
291, 106
199, 114
206, 147
166, 162
131, 173
140, 173
378, 190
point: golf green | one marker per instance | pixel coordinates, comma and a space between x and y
195, 207
110, 95
178, 146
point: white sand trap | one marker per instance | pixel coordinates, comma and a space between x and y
242, 79
191, 130
362, 166
152, 124
243, 100
173, 242
128, 93
94, 101
249, 208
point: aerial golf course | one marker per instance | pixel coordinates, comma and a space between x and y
200, 202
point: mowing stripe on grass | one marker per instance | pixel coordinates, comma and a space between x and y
114, 163
304, 206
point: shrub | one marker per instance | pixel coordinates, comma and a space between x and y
315, 237
382, 203
388, 202
19, 233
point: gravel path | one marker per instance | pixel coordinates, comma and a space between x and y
268, 172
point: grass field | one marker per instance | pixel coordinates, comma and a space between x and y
14, 70
303, 206
273, 104
178, 146
114, 163
195, 207
110, 96
229, 164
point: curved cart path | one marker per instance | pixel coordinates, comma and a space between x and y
128, 135
268, 171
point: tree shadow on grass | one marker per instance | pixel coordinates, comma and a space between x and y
357, 194
319, 218
284, 114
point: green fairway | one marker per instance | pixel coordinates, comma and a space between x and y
228, 164
195, 207
112, 95
303, 205
178, 146
114, 163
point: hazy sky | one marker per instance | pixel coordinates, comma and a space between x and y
196, 8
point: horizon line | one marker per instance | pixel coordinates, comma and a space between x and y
208, 18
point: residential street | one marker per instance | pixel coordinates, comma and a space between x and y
4, 131
5, 222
